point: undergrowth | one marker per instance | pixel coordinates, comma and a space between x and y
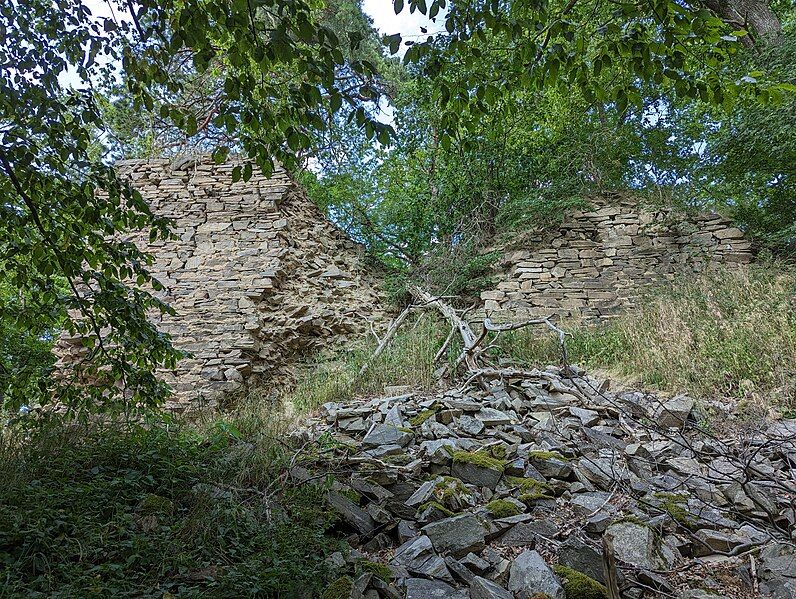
728, 333
165, 509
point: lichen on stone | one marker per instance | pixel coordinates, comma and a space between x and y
579, 586
501, 508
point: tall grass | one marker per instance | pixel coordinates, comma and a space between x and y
726, 333
408, 360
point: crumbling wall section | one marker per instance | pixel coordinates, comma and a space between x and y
257, 275
595, 264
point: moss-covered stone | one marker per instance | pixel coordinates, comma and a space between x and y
527, 485
546, 455
500, 508
422, 417
478, 458
438, 506
497, 451
673, 504
339, 589
579, 586
378, 570
450, 492
533, 496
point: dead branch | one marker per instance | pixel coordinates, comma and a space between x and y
387, 338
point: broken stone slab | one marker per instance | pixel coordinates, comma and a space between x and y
481, 588
423, 493
715, 541
640, 546
550, 464
674, 412
587, 417
587, 504
477, 469
351, 513
460, 571
602, 472
777, 570
574, 553
527, 533
386, 434
475, 563
493, 417
530, 574
417, 556
458, 535
470, 425
420, 588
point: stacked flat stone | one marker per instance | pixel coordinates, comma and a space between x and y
596, 262
258, 276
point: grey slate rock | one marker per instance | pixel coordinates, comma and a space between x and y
352, 513
576, 554
530, 574
420, 588
526, 533
640, 546
481, 588
476, 475
417, 556
458, 535
460, 572
386, 434
674, 412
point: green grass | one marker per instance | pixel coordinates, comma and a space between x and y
167, 509
728, 333
408, 360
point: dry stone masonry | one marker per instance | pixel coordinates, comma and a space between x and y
257, 277
596, 262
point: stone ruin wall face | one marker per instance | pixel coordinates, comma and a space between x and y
595, 264
258, 276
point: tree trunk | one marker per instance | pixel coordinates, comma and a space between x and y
755, 16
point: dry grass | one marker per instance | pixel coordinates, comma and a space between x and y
728, 333
407, 361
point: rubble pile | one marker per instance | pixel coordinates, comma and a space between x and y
549, 485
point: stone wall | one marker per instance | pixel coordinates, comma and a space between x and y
258, 276
597, 261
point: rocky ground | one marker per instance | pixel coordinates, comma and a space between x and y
550, 485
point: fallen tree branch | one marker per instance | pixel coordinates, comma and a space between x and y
387, 338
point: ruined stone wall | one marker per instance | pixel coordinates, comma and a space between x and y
258, 276
596, 262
